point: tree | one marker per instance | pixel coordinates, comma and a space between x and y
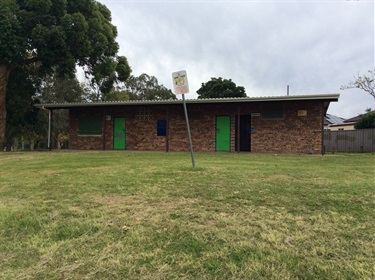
118, 95
366, 121
220, 88
60, 89
26, 122
364, 82
101, 83
23, 120
146, 87
58, 35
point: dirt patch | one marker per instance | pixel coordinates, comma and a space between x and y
142, 202
119, 200
75, 208
142, 210
49, 201
49, 172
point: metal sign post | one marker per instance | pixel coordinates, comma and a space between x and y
181, 86
188, 129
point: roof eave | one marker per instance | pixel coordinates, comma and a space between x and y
325, 97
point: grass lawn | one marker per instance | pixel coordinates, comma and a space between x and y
133, 215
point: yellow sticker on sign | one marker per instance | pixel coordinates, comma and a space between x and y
180, 82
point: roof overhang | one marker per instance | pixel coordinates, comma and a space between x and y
326, 98
343, 124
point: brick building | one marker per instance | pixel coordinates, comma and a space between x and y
283, 124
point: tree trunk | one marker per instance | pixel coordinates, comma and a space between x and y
4, 74
15, 144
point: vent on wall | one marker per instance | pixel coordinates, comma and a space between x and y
144, 114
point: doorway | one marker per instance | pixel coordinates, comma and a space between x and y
119, 134
245, 133
223, 133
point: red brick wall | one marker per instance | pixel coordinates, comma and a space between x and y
83, 142
292, 134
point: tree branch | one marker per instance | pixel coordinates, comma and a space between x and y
366, 83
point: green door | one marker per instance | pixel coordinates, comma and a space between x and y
223, 133
119, 134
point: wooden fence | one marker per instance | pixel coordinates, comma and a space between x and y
350, 141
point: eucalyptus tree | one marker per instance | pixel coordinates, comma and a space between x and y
24, 121
146, 87
58, 35
60, 89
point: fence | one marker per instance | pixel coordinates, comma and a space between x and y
351, 141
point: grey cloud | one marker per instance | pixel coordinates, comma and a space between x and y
315, 47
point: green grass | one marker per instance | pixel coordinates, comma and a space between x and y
124, 215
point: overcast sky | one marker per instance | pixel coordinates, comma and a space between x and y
312, 46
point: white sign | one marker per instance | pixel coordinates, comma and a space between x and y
180, 82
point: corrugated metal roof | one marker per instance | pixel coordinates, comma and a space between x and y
327, 97
332, 119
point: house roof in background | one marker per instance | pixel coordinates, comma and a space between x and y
324, 97
332, 119
343, 124
357, 118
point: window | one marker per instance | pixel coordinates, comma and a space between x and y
161, 128
272, 111
90, 126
